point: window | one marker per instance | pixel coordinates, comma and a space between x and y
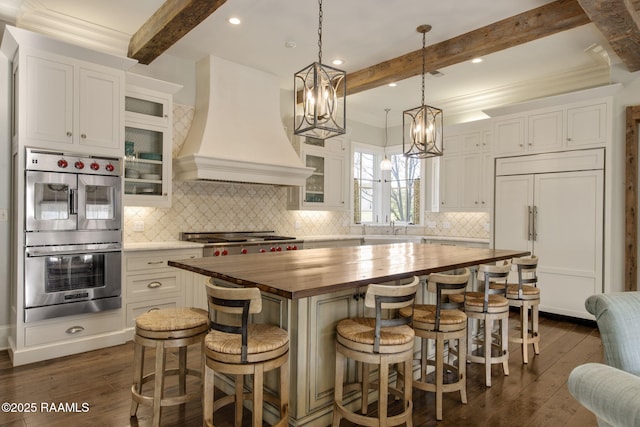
384, 196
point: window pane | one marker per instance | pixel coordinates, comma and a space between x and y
405, 189
363, 187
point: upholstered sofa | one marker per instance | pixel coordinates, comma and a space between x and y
612, 390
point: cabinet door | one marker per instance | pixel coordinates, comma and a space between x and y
545, 131
334, 181
587, 125
569, 228
509, 135
471, 181
450, 177
99, 110
324, 313
514, 195
147, 175
49, 102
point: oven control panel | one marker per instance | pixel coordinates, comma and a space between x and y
49, 161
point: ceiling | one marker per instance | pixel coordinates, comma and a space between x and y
360, 32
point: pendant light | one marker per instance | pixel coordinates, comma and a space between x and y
319, 97
385, 164
422, 126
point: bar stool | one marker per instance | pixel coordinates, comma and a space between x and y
380, 341
243, 348
526, 295
166, 329
442, 322
487, 307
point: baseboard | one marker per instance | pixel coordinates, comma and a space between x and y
5, 330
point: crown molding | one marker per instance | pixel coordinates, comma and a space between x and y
35, 16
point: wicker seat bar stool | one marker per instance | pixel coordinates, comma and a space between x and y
442, 322
486, 307
162, 330
380, 340
526, 295
237, 347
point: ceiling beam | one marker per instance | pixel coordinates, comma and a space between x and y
619, 22
167, 25
544, 21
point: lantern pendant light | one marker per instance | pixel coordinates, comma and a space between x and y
422, 126
319, 97
385, 164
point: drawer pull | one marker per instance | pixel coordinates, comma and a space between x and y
74, 330
153, 309
154, 285
155, 262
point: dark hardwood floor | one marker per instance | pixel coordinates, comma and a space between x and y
535, 394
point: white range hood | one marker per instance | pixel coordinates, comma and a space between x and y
237, 134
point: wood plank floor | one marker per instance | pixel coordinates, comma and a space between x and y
533, 394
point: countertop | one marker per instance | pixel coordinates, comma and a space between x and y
300, 274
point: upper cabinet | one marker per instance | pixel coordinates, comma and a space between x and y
65, 97
325, 189
148, 141
464, 168
552, 129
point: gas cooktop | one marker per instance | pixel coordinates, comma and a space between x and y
233, 237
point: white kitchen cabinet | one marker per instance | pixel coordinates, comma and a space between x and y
71, 105
148, 141
577, 125
326, 188
463, 176
552, 205
149, 283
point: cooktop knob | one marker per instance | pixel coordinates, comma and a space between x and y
225, 252
278, 249
216, 253
110, 167
62, 163
273, 249
263, 250
79, 165
95, 166
244, 251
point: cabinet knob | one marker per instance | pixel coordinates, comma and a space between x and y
74, 330
568, 139
521, 145
83, 136
69, 134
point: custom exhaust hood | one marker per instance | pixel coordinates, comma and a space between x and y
237, 134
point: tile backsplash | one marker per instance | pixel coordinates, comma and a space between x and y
219, 206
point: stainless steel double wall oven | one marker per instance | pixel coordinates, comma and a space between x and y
73, 234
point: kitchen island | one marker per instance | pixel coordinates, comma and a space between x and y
307, 292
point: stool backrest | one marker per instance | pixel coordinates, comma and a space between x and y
445, 284
390, 297
491, 273
238, 301
526, 268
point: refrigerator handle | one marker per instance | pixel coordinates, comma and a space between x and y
529, 223
535, 223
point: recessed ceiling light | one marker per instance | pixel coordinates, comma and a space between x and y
476, 60
393, 84
290, 44
337, 62
234, 21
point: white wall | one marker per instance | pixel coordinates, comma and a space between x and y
5, 179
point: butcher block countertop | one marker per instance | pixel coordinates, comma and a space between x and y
309, 272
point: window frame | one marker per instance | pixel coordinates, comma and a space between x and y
382, 194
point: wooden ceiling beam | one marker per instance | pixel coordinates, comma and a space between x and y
619, 22
167, 25
544, 21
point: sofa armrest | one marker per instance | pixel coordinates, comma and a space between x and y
611, 394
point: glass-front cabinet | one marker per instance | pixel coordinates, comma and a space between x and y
148, 141
325, 189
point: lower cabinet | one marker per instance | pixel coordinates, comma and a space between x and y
150, 284
71, 328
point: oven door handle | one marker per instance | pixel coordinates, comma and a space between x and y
73, 202
37, 252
